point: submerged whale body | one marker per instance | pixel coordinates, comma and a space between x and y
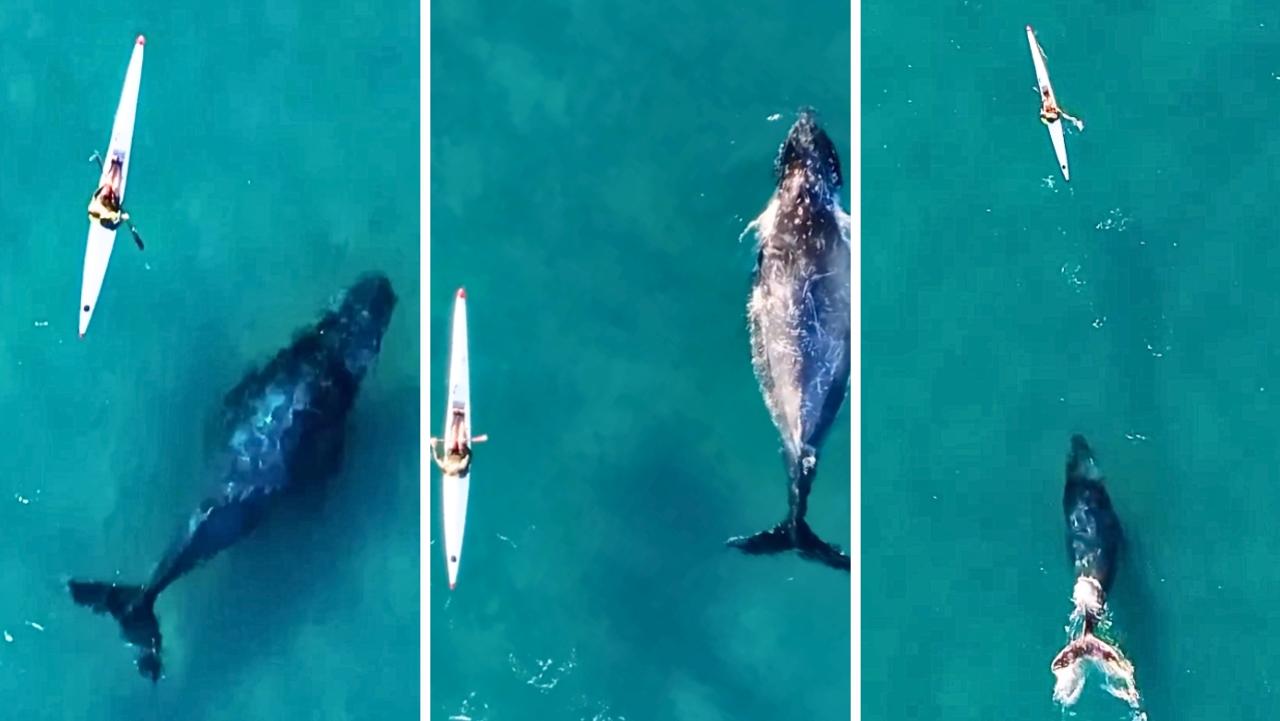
1094, 541
284, 432
799, 316
1094, 534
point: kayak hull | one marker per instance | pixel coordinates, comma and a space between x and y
97, 254
1056, 133
455, 489
453, 494
1059, 139
101, 240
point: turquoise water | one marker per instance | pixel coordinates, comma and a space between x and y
1003, 311
592, 167
275, 159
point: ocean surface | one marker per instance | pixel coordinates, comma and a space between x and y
275, 159
592, 167
1004, 310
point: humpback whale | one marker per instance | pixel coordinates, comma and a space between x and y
284, 425
1094, 540
799, 319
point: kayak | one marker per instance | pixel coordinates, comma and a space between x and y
454, 493
97, 253
1056, 133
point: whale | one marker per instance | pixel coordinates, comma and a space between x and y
1094, 539
799, 322
283, 426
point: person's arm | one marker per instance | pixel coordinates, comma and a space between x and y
435, 453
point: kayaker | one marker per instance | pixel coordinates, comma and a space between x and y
457, 462
1050, 113
457, 458
104, 206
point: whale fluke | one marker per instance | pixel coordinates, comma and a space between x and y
133, 607
1070, 665
792, 536
794, 533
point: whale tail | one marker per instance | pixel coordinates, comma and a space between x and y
792, 535
1070, 665
133, 607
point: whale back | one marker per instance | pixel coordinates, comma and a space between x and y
799, 311
808, 148
286, 421
1094, 534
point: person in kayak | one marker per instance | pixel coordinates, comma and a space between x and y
104, 206
457, 459
1050, 113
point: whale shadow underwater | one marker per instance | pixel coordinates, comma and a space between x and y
284, 428
800, 318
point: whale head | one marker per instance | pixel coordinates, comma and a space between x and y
360, 319
808, 162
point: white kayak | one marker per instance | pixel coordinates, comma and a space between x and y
97, 253
1056, 133
454, 493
